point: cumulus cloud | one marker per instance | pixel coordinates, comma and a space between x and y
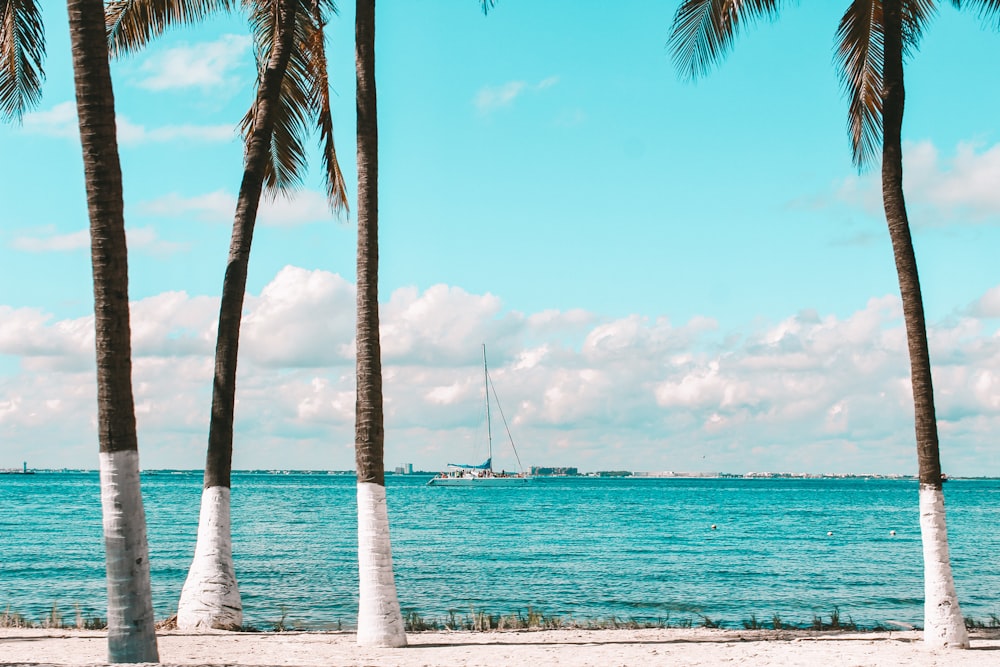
274, 334
988, 305
810, 392
959, 189
301, 207
61, 121
203, 65
491, 98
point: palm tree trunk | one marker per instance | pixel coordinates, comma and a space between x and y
131, 632
380, 622
943, 622
210, 597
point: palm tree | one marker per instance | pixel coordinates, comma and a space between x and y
873, 37
380, 622
131, 632
292, 93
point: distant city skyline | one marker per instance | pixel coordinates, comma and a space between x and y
667, 276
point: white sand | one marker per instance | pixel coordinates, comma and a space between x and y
599, 648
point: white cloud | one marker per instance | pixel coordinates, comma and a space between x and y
301, 207
61, 121
939, 191
132, 134
811, 392
988, 305
53, 243
203, 65
144, 238
301, 319
491, 98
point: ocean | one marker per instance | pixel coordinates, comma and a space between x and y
583, 549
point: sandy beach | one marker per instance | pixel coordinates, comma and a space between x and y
598, 648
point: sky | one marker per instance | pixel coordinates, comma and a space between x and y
667, 275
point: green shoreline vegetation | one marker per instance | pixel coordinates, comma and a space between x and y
530, 619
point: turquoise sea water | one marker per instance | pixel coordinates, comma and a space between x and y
572, 547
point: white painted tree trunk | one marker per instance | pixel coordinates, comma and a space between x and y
131, 626
210, 598
380, 622
944, 626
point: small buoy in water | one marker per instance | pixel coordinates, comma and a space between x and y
713, 526
829, 533
892, 532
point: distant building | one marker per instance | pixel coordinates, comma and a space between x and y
539, 471
672, 473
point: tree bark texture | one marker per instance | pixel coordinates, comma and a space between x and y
369, 432
928, 456
943, 622
108, 249
210, 599
380, 621
131, 632
218, 466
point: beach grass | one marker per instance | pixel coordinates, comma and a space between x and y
480, 620
54, 619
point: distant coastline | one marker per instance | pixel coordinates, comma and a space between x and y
603, 474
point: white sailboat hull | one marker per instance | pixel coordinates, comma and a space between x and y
478, 481
460, 474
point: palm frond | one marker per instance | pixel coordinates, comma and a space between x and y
319, 95
860, 54
703, 31
286, 162
22, 55
988, 10
304, 101
916, 15
133, 23
488, 5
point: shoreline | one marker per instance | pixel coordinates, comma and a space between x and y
574, 647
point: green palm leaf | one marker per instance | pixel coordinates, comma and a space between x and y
22, 53
133, 23
304, 101
860, 51
319, 94
988, 10
704, 30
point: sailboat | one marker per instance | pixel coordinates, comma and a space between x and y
464, 474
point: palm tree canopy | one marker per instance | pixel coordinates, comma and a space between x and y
305, 89
305, 97
704, 30
22, 54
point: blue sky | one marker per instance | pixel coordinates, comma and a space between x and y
669, 275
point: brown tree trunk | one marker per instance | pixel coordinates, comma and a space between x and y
131, 635
218, 466
944, 626
928, 457
369, 432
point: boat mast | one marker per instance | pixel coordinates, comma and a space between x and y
489, 431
